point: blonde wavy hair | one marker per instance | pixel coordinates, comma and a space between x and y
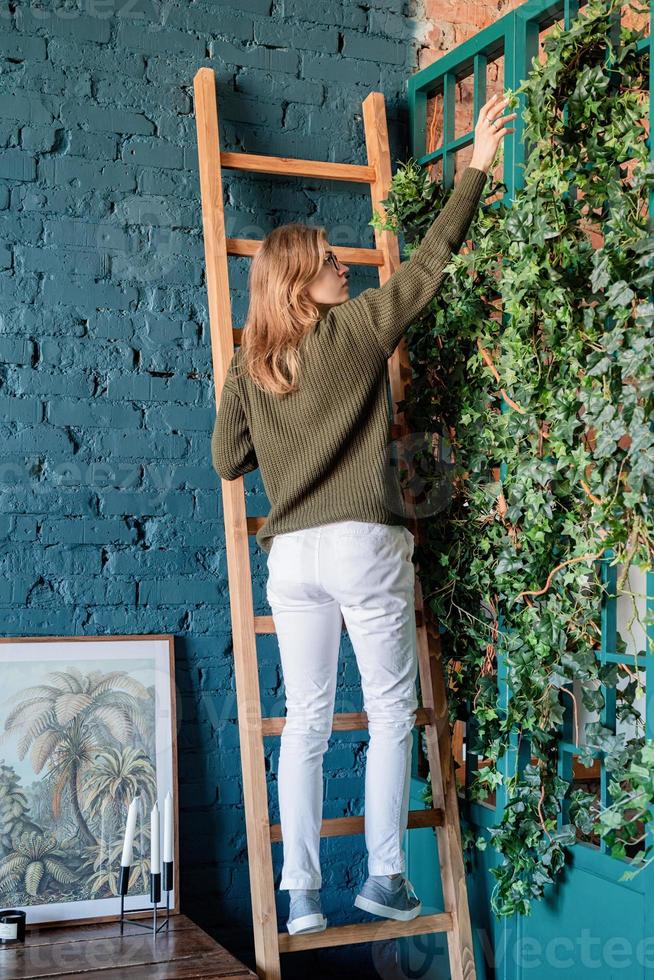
279, 315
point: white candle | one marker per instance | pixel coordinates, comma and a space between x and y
154, 840
130, 827
168, 828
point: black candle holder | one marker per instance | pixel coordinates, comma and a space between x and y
155, 897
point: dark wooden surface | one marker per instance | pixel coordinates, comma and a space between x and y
99, 952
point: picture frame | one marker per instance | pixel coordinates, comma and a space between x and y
91, 721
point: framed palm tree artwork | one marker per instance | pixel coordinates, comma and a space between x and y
86, 725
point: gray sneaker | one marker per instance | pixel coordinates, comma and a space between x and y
400, 903
305, 914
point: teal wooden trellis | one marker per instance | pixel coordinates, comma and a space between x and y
592, 898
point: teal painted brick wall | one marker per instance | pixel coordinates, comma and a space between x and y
110, 512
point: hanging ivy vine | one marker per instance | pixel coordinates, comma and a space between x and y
536, 362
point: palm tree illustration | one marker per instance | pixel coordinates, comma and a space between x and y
118, 775
107, 790
101, 863
68, 720
34, 858
14, 808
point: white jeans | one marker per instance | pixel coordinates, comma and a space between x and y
362, 573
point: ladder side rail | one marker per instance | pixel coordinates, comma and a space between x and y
255, 794
432, 680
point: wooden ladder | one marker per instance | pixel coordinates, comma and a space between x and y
433, 717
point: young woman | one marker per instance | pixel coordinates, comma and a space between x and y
305, 400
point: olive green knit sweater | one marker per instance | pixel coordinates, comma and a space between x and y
323, 450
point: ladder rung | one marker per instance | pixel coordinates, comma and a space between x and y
254, 523
349, 721
348, 826
365, 932
295, 167
266, 624
349, 254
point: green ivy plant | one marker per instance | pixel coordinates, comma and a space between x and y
535, 362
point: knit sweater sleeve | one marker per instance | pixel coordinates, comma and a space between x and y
384, 312
232, 451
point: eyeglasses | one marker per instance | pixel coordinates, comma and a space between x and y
330, 257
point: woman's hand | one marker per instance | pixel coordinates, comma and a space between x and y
489, 131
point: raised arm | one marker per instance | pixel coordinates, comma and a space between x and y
386, 311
